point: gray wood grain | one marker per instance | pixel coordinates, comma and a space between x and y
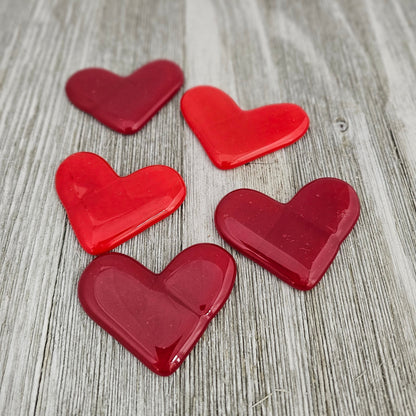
346, 347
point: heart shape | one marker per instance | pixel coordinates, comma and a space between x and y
125, 104
232, 137
158, 317
105, 209
296, 241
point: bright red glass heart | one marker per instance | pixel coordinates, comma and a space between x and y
296, 241
125, 104
231, 136
158, 317
105, 209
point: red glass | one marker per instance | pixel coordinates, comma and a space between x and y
296, 241
158, 317
232, 137
125, 104
105, 209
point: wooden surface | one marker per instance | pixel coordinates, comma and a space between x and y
346, 347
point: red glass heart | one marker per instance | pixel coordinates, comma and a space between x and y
296, 241
158, 317
231, 136
125, 104
105, 209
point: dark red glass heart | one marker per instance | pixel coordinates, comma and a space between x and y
231, 136
105, 209
125, 104
296, 241
158, 317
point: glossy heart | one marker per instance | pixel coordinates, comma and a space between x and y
158, 317
105, 209
231, 136
125, 104
296, 241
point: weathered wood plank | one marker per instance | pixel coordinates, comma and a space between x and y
346, 347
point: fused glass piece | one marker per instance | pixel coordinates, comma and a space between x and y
158, 317
296, 241
125, 104
231, 136
105, 209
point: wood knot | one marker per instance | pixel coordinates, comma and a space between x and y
341, 124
